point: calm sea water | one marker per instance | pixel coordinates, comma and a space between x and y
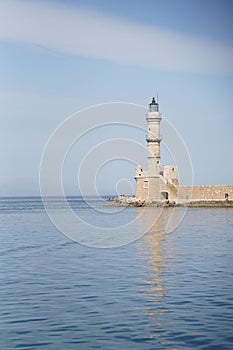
163, 291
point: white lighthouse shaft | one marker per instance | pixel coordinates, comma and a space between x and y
153, 139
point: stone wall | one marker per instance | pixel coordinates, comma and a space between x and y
215, 192
156, 186
173, 192
170, 174
141, 188
149, 188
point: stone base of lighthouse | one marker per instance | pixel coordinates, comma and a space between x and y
150, 189
160, 188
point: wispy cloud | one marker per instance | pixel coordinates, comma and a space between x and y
74, 30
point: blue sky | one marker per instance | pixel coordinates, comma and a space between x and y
57, 57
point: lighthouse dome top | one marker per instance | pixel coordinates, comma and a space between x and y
153, 106
153, 102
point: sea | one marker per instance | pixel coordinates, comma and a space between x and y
158, 290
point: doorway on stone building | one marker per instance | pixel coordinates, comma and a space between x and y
164, 195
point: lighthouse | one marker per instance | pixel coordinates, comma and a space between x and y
148, 184
153, 139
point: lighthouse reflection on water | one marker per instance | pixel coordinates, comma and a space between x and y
152, 282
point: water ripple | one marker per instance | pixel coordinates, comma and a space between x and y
165, 291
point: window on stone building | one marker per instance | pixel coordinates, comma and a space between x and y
146, 184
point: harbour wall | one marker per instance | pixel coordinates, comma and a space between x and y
205, 193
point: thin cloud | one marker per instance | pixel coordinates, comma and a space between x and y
74, 30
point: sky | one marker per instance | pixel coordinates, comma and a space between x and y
59, 57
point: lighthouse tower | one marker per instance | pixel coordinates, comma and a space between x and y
153, 145
153, 139
154, 185
148, 184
